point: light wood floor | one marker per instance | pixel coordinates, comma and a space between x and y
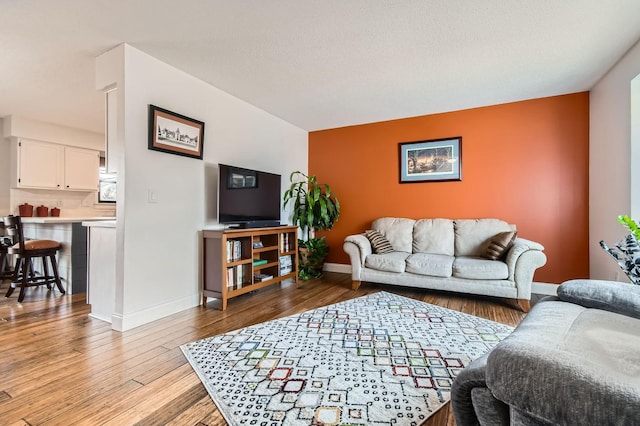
60, 367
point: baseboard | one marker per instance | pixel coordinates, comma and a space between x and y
337, 267
135, 319
100, 317
546, 289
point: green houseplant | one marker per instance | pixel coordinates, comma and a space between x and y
315, 208
627, 252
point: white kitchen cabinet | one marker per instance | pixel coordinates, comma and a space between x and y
38, 164
81, 168
46, 165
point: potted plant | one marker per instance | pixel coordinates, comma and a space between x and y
627, 252
315, 208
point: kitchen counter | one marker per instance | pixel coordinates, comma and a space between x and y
100, 223
65, 219
101, 284
72, 236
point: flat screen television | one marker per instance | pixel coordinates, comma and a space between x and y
248, 198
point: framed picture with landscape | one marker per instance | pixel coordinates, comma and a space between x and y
175, 133
436, 160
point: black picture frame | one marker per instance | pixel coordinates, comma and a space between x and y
187, 138
435, 160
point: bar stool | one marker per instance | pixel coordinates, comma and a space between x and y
5, 242
25, 251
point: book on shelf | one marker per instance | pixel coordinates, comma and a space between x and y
261, 277
286, 264
286, 260
239, 275
284, 242
234, 250
235, 276
230, 277
258, 262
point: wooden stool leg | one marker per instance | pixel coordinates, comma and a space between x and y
15, 281
16, 271
45, 269
54, 265
3, 264
27, 267
16, 274
32, 270
10, 290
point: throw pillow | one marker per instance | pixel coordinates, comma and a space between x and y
379, 242
500, 244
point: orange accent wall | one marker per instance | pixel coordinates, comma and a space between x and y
525, 162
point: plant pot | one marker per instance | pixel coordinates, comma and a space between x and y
311, 257
25, 210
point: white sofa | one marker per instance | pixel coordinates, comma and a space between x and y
445, 254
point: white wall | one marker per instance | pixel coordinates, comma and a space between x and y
48, 132
5, 177
610, 161
635, 148
159, 271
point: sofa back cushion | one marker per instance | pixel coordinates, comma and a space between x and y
399, 232
434, 236
472, 236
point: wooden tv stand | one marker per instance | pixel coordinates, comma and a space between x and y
232, 259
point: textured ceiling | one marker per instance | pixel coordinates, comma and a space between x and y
317, 64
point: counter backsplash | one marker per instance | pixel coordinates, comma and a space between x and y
70, 203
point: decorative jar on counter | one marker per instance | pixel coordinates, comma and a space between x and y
25, 210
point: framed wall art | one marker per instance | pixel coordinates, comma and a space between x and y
436, 160
175, 133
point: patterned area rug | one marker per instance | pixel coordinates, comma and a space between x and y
381, 359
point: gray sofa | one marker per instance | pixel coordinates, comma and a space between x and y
445, 254
573, 360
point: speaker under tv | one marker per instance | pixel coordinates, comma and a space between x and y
248, 198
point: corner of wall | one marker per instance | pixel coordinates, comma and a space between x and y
5, 176
635, 149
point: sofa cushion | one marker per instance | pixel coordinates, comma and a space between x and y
433, 236
500, 244
379, 244
435, 265
472, 236
621, 298
399, 232
390, 262
582, 364
477, 268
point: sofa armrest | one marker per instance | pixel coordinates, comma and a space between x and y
473, 403
620, 298
580, 364
358, 247
523, 258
